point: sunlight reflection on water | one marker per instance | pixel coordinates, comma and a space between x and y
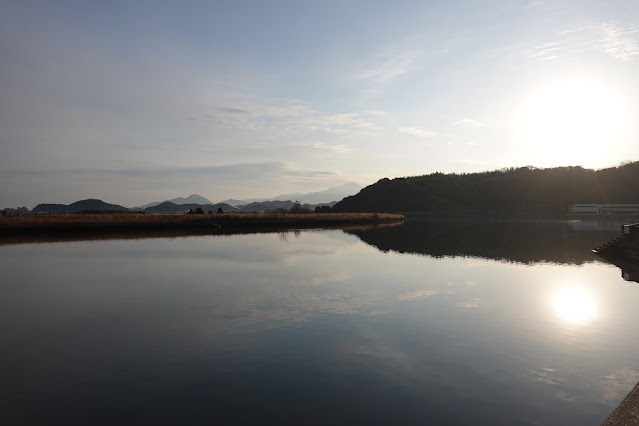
574, 305
316, 322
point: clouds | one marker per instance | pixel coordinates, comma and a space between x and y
415, 131
546, 51
391, 68
324, 148
242, 171
179, 90
282, 117
618, 41
563, 44
621, 42
469, 122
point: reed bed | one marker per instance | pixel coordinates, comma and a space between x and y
141, 233
79, 223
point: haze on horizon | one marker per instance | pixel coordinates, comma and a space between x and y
133, 102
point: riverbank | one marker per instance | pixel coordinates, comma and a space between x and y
36, 225
627, 413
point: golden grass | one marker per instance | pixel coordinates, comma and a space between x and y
36, 224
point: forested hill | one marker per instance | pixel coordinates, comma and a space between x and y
514, 191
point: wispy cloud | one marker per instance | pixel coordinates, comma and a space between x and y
415, 131
242, 171
326, 148
569, 31
545, 52
276, 118
245, 109
391, 68
620, 42
561, 44
469, 122
330, 123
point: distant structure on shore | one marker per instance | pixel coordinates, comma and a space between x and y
604, 209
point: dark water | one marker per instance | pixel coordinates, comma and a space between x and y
423, 323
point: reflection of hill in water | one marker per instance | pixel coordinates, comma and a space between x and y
524, 242
629, 267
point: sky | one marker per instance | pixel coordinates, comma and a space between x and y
139, 101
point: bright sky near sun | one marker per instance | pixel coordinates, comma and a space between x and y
139, 101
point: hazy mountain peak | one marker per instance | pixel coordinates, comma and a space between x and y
191, 199
335, 193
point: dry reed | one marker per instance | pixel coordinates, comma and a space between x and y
36, 224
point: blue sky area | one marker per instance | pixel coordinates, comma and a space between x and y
136, 101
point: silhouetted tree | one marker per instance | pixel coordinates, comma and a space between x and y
219, 210
297, 208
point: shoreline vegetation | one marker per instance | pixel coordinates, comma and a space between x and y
100, 224
511, 192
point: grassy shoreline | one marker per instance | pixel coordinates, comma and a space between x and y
107, 223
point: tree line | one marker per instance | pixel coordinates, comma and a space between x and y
512, 191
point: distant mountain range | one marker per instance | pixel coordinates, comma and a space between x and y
167, 207
335, 193
191, 199
310, 200
321, 197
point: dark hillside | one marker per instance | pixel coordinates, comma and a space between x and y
93, 204
525, 190
78, 206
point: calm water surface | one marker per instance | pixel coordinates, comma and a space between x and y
415, 324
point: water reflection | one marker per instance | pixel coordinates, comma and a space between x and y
629, 267
514, 241
314, 328
574, 305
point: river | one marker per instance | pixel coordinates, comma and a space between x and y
420, 323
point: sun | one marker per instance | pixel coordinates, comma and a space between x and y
574, 121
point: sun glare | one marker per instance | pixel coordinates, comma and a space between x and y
574, 305
572, 122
